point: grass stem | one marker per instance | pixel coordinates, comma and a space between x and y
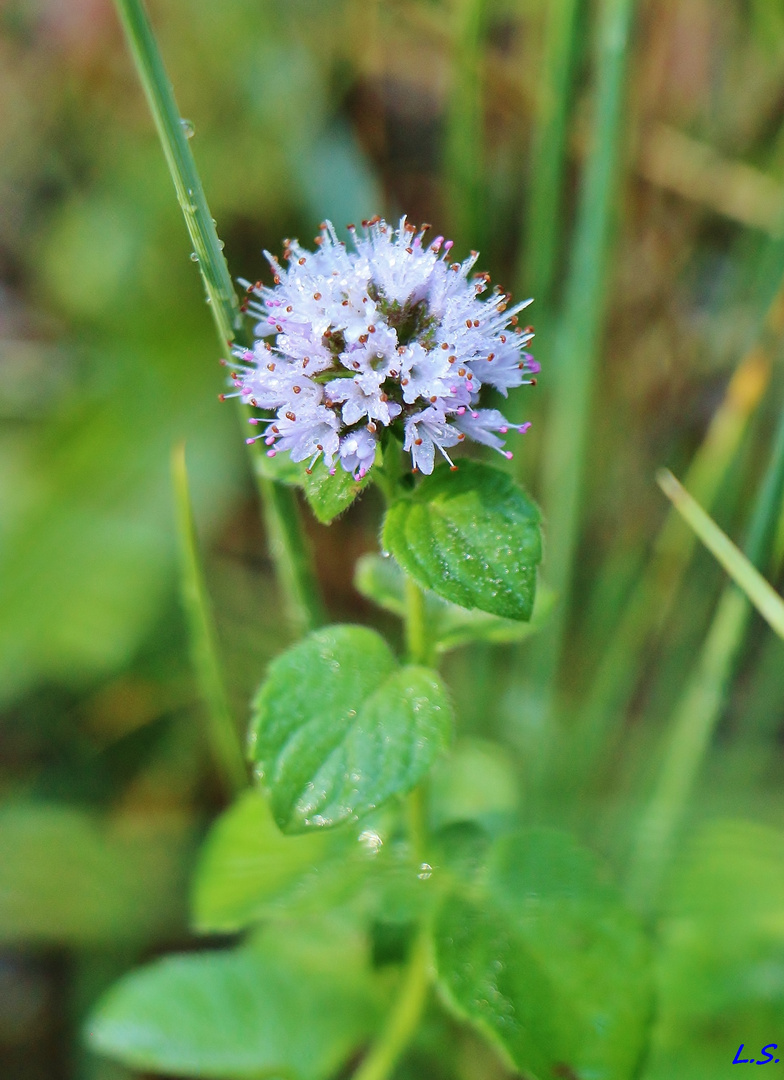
223, 736
743, 572
572, 370
464, 135
582, 319
648, 609
700, 705
207, 248
292, 557
293, 567
543, 225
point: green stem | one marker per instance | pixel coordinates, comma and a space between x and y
573, 369
464, 125
743, 572
577, 346
293, 568
404, 1018
418, 648
222, 730
291, 554
406, 1014
692, 727
604, 709
187, 183
543, 225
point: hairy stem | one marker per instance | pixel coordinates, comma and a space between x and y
292, 563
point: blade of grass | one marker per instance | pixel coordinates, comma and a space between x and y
574, 362
543, 222
464, 135
699, 708
648, 609
293, 565
182, 167
576, 349
745, 575
223, 737
650, 604
292, 556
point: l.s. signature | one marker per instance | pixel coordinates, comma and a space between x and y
767, 1058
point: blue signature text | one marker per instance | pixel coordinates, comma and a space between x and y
767, 1052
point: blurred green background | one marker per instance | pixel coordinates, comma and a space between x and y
484, 118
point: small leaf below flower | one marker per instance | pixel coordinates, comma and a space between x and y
472, 536
330, 494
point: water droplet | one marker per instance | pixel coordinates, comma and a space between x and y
370, 840
221, 244
385, 554
425, 871
194, 257
188, 129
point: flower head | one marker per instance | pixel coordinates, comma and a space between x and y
351, 342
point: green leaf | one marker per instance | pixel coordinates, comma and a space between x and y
67, 879
329, 495
471, 536
248, 870
382, 581
282, 1006
339, 727
544, 959
490, 978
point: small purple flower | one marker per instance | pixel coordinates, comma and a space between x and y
481, 424
391, 333
357, 451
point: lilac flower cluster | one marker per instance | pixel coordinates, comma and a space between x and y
390, 333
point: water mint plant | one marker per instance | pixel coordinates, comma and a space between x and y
355, 808
363, 911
